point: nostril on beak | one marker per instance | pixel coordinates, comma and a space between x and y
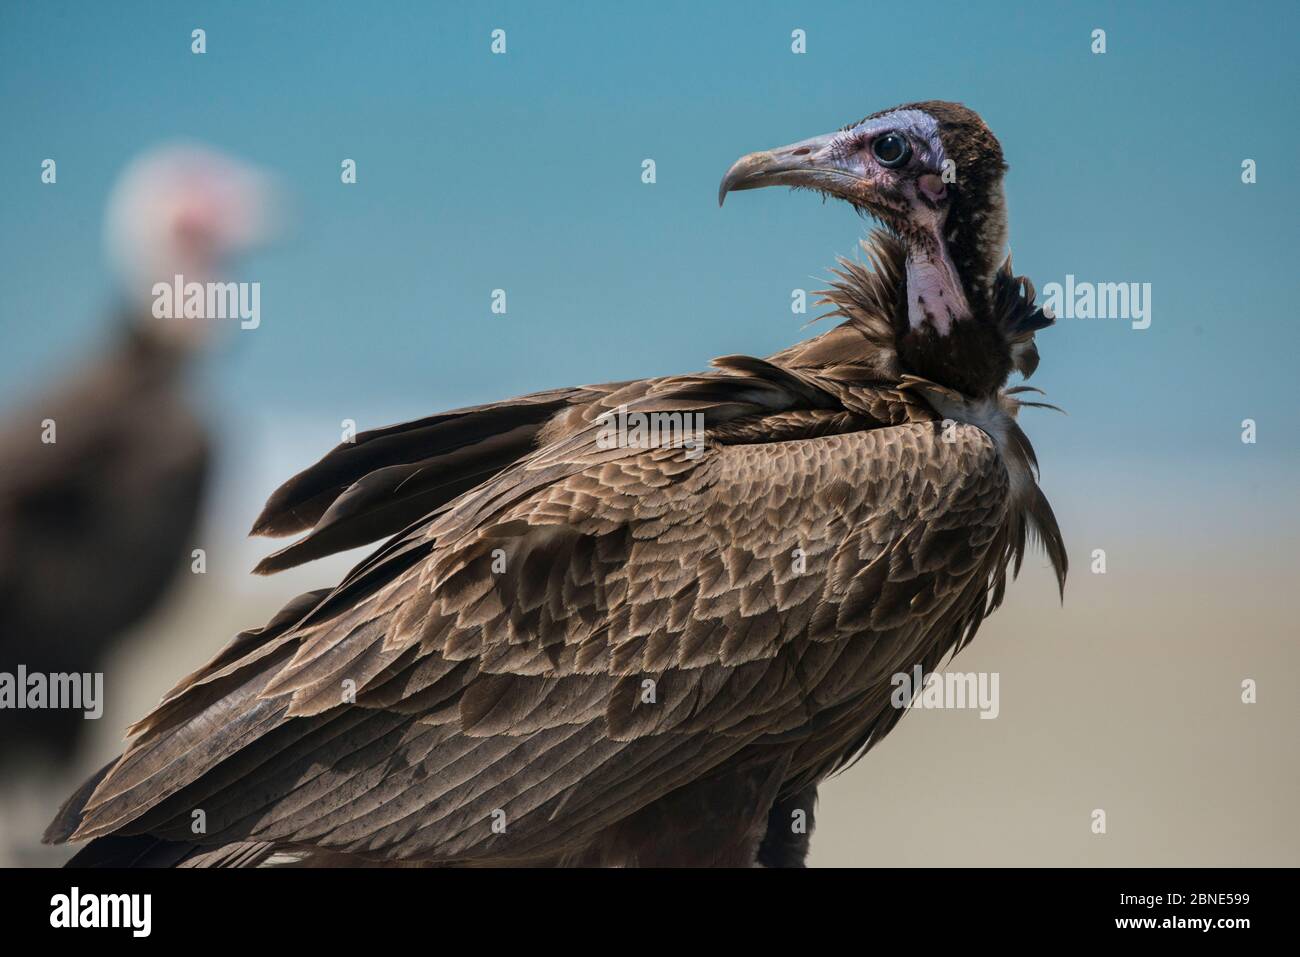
801, 151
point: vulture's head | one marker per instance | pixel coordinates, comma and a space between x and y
929, 172
186, 210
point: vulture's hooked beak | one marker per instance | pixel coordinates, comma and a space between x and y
818, 163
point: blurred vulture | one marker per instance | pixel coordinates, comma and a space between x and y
583, 646
102, 476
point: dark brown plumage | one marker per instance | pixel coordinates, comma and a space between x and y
578, 653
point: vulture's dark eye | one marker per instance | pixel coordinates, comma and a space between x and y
891, 150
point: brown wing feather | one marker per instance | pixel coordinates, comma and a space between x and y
531, 697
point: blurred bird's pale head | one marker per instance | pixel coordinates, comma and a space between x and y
186, 210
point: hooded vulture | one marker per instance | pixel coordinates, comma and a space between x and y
578, 651
102, 475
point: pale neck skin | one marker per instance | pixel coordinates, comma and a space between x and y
934, 290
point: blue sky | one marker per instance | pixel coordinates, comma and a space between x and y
523, 172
